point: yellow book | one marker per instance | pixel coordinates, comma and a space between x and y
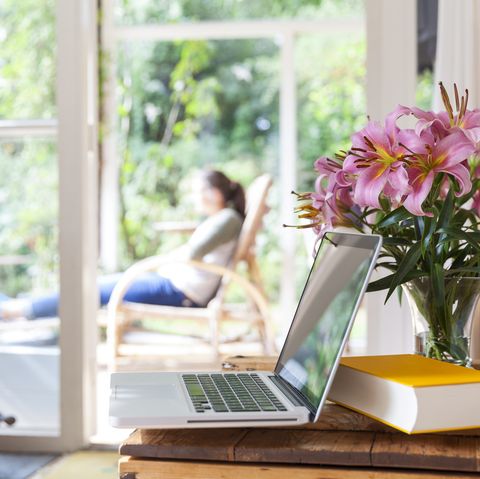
409, 392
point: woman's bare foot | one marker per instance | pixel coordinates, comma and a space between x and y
13, 309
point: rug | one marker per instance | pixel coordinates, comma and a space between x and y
21, 466
82, 465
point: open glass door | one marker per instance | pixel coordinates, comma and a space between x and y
29, 352
48, 174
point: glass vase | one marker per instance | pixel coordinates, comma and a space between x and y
442, 316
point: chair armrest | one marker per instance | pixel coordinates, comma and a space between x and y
176, 226
156, 262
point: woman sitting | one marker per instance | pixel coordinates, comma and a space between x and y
222, 201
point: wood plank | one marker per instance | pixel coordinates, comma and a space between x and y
202, 444
426, 451
478, 455
337, 418
249, 363
131, 468
306, 447
440, 452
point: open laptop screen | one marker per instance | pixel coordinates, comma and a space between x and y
324, 314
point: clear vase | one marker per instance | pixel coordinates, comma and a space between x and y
443, 317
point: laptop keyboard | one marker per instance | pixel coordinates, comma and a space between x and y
242, 392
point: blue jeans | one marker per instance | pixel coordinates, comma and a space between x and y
150, 288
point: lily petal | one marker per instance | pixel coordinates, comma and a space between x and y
415, 142
370, 184
451, 150
391, 128
421, 186
398, 179
375, 135
462, 175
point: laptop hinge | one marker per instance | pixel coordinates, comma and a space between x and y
294, 395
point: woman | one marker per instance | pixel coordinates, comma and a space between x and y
222, 201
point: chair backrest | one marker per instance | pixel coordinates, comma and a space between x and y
256, 209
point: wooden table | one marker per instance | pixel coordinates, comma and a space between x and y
341, 445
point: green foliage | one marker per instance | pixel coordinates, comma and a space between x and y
27, 59
186, 105
163, 11
28, 220
424, 90
28, 179
331, 89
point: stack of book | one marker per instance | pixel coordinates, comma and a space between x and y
409, 392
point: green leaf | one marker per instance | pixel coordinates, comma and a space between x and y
429, 230
464, 218
419, 226
405, 266
390, 266
444, 218
438, 283
386, 281
400, 295
396, 241
452, 233
438, 290
446, 211
394, 217
463, 199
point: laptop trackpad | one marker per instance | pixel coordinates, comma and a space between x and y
164, 392
151, 401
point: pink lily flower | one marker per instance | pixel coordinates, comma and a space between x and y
448, 156
377, 160
447, 122
332, 196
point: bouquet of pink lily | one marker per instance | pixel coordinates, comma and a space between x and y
419, 189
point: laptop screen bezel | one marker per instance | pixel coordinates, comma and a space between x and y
371, 242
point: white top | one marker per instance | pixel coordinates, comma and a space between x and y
213, 242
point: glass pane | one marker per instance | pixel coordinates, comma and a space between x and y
27, 59
330, 71
331, 96
188, 105
165, 11
427, 18
29, 355
425, 90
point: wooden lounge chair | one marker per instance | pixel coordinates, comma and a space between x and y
120, 314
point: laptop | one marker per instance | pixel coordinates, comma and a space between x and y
296, 390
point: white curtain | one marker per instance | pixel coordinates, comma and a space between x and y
458, 48
458, 60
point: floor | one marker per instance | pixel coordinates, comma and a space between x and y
22, 466
82, 465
